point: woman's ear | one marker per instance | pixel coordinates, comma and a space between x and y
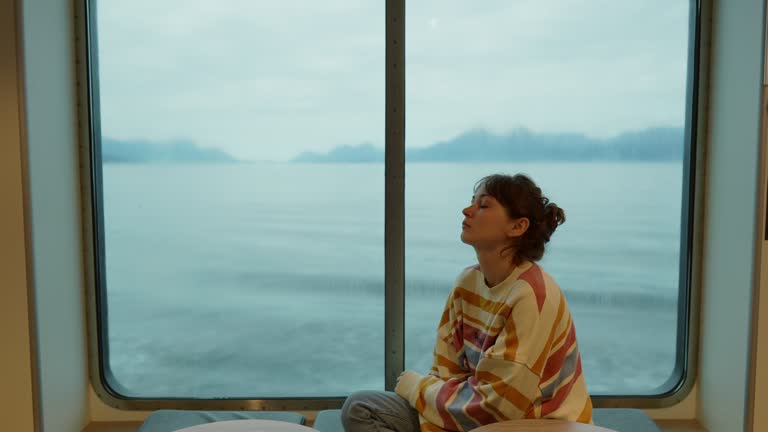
518, 227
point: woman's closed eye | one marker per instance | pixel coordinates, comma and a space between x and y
481, 201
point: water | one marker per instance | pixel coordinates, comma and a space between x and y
266, 280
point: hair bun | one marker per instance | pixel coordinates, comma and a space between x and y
554, 216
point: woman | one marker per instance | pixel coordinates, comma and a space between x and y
506, 344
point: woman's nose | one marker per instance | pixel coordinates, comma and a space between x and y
466, 211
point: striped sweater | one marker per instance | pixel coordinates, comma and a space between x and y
502, 353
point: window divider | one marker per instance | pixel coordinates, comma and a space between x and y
394, 194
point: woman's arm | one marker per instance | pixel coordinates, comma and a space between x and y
504, 386
448, 357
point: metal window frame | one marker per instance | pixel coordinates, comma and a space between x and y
681, 382
674, 390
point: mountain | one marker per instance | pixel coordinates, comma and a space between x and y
346, 153
142, 151
480, 145
651, 144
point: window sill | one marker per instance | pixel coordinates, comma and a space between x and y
680, 426
120, 426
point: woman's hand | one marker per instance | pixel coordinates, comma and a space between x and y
405, 382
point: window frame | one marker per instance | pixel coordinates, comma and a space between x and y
691, 245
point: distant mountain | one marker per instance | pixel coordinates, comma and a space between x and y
346, 153
142, 151
479, 145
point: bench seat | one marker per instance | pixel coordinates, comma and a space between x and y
618, 419
172, 420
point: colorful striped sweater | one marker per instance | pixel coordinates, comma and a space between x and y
502, 353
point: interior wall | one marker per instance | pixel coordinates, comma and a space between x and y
50, 123
16, 366
730, 209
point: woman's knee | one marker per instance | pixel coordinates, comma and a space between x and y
356, 407
376, 411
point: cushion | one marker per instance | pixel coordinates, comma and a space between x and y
618, 419
624, 420
328, 421
172, 420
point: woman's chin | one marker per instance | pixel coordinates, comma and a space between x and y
465, 238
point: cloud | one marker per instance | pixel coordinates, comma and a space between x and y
270, 80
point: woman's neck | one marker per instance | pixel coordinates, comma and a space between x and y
495, 266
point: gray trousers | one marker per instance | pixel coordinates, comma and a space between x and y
378, 411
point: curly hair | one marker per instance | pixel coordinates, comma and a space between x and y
521, 197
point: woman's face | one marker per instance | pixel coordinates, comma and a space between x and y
486, 224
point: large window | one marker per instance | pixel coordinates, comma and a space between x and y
237, 262
589, 98
239, 183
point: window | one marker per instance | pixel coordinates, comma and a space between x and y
240, 182
237, 261
589, 98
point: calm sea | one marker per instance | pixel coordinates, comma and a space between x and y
267, 279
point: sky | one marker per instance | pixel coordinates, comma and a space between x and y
269, 80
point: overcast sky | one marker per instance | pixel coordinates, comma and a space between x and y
266, 80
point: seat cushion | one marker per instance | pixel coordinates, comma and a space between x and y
172, 420
624, 420
618, 419
328, 421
